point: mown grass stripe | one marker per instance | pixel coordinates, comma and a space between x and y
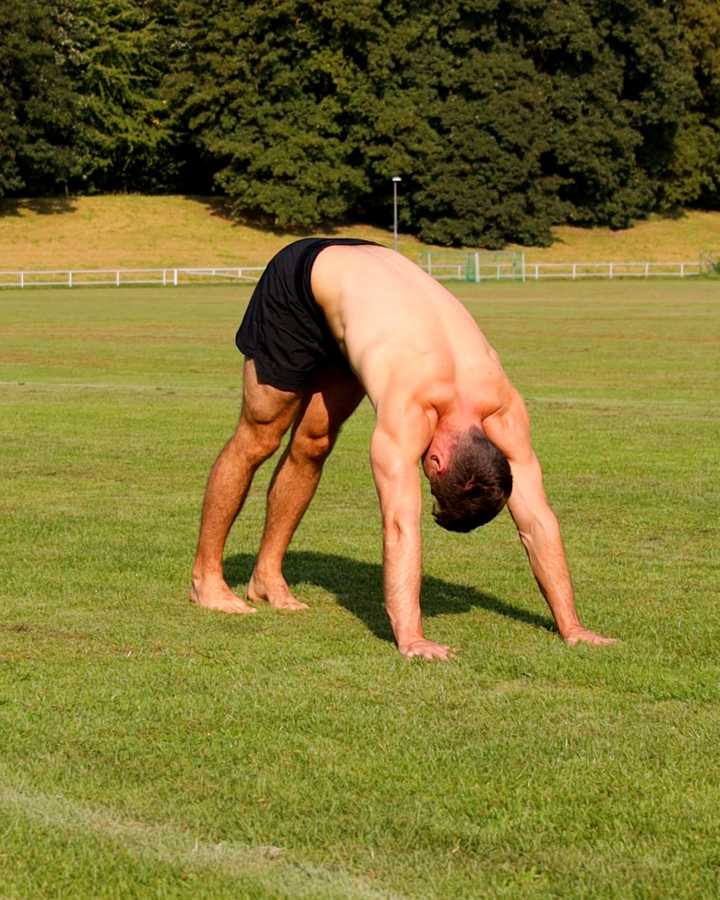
168, 845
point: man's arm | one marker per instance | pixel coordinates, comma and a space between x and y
394, 454
536, 523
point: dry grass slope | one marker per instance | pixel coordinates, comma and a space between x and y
134, 230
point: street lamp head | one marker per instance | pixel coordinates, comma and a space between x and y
397, 178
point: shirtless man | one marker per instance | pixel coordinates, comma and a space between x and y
330, 321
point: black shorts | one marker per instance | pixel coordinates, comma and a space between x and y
284, 330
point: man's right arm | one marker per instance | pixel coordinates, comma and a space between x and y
394, 457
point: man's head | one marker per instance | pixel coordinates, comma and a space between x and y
472, 485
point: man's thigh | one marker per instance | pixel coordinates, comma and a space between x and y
333, 398
266, 408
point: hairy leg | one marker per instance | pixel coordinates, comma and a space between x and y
265, 416
334, 398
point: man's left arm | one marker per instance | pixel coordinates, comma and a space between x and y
536, 522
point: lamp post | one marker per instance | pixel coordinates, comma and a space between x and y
396, 180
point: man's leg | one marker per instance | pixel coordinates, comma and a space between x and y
266, 415
335, 397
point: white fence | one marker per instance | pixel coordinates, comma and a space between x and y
470, 268
474, 269
119, 277
535, 271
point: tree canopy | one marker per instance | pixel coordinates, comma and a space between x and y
503, 117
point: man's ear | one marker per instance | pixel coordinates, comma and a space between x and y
434, 463
439, 462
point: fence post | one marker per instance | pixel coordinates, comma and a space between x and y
22, 279
117, 278
574, 274
647, 269
610, 273
537, 271
164, 280
69, 279
175, 278
682, 270
477, 267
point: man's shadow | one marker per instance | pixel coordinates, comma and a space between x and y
358, 587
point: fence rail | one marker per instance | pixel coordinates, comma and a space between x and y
168, 276
471, 268
535, 271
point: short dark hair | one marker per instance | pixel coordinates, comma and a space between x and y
475, 485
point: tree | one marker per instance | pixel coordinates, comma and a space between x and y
484, 181
316, 106
619, 84
116, 54
264, 93
36, 103
503, 117
693, 173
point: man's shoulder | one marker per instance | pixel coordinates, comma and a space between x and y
508, 426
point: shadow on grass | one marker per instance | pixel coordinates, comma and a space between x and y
358, 587
44, 206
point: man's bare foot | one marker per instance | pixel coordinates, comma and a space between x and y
274, 591
213, 593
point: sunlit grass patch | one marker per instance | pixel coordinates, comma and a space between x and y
148, 748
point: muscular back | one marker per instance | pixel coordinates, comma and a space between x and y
404, 334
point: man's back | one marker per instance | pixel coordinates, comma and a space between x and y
402, 331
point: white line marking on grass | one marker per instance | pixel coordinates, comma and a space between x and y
264, 864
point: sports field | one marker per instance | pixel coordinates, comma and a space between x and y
152, 749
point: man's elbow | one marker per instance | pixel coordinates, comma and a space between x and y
540, 530
400, 528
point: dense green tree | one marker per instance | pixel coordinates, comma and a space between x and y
619, 82
116, 53
693, 175
317, 106
483, 181
503, 117
264, 93
37, 152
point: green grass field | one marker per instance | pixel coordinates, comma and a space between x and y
152, 749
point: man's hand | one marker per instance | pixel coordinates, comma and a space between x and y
426, 650
577, 634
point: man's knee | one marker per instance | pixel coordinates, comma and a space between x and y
255, 443
311, 448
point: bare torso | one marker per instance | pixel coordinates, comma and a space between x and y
405, 335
